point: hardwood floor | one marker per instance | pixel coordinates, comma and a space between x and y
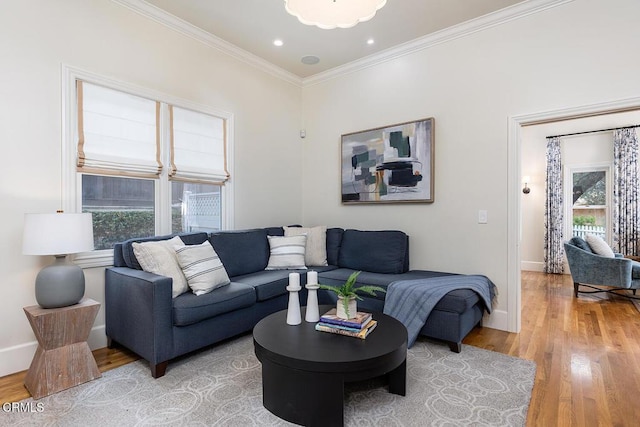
587, 351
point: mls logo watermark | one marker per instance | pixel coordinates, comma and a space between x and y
23, 407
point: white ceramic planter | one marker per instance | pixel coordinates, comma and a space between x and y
351, 311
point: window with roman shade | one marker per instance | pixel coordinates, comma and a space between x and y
118, 133
198, 146
118, 137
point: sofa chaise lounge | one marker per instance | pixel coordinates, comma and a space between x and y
142, 315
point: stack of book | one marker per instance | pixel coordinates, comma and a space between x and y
358, 327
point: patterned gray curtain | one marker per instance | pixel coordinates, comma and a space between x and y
553, 212
625, 216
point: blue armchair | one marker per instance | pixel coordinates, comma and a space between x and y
594, 271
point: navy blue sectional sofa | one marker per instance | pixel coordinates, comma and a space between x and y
142, 316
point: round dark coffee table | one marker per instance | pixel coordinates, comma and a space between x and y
304, 370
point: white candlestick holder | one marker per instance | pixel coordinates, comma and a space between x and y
312, 314
293, 310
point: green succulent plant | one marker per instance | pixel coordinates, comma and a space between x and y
348, 290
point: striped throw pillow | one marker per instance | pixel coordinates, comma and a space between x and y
202, 267
287, 253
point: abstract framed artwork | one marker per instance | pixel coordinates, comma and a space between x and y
391, 164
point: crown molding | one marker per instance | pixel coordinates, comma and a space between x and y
489, 20
152, 12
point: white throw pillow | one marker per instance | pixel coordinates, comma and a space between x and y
202, 267
599, 246
159, 257
316, 247
287, 253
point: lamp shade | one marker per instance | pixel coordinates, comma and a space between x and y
328, 14
57, 233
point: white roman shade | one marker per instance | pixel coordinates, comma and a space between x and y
198, 146
118, 132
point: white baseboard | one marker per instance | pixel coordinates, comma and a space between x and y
532, 266
498, 319
97, 338
18, 358
539, 267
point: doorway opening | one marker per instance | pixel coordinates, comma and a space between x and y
536, 127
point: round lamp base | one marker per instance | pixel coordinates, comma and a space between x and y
60, 284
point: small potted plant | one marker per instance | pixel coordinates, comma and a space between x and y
346, 308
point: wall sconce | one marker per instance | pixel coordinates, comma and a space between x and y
526, 180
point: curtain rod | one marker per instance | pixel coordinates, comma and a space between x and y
592, 131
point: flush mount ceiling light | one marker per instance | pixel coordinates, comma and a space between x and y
328, 14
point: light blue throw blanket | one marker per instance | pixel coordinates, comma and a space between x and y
411, 301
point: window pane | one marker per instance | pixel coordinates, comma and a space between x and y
122, 208
589, 188
590, 203
195, 207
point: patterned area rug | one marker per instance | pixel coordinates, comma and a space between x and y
221, 386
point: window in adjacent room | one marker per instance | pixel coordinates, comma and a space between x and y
590, 209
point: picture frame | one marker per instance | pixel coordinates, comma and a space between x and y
389, 164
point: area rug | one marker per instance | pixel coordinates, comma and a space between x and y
221, 386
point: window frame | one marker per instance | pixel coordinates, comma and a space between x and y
71, 191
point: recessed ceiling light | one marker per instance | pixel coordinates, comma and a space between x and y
310, 60
278, 42
371, 41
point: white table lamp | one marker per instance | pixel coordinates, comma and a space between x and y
62, 283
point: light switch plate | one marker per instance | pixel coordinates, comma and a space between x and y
483, 217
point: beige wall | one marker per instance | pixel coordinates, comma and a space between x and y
99, 36
559, 58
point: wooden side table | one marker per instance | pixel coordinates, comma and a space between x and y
63, 358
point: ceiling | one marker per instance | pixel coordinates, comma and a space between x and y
253, 25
